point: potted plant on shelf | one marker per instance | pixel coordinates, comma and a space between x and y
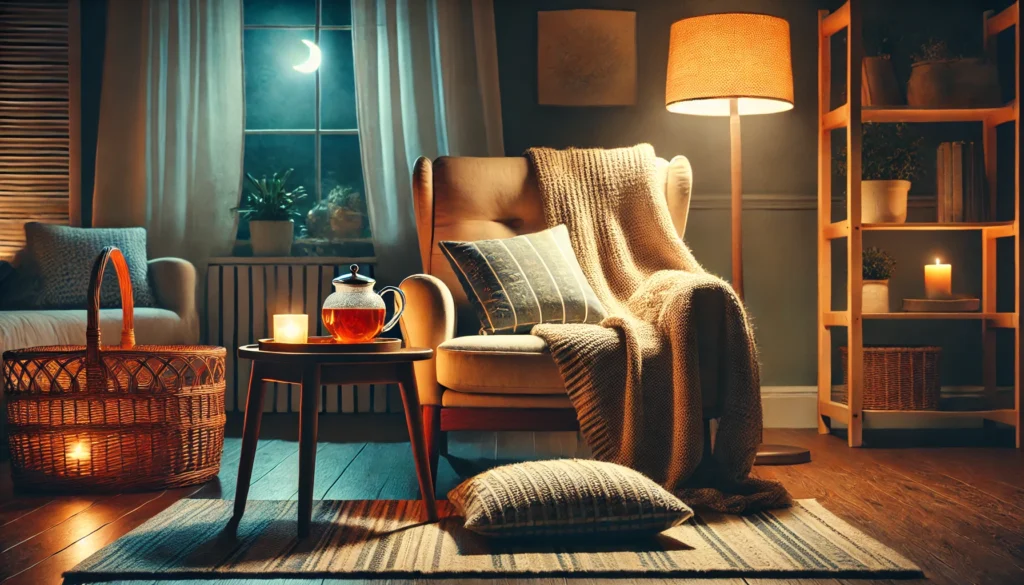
878, 76
270, 208
890, 158
941, 79
877, 270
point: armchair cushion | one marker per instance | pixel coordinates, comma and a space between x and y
498, 364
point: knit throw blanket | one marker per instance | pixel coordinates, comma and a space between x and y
634, 379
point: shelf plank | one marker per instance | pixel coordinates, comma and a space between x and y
836, 230
1004, 415
938, 227
837, 118
835, 410
921, 316
836, 21
836, 319
1003, 321
1002, 21
889, 114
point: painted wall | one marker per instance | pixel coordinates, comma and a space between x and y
779, 169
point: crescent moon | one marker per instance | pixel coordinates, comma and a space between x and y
313, 62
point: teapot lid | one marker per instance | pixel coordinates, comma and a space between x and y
354, 277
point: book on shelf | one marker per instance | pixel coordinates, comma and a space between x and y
960, 182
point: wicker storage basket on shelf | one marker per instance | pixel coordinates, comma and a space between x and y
896, 378
123, 417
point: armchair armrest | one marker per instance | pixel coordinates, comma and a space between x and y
428, 321
174, 284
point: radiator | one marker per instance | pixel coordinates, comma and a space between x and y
243, 294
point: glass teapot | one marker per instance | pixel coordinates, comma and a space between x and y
354, 313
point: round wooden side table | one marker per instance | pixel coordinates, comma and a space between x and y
311, 371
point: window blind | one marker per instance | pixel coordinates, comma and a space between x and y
38, 74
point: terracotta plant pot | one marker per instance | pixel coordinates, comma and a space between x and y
271, 238
878, 83
884, 201
875, 296
954, 83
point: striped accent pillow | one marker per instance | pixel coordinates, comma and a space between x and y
567, 497
520, 282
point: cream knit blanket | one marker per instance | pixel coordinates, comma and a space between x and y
634, 379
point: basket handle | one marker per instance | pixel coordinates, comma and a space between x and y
92, 329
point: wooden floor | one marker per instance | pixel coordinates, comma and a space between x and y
957, 512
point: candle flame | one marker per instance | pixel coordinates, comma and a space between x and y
937, 261
79, 452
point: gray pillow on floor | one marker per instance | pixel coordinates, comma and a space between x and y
566, 498
62, 257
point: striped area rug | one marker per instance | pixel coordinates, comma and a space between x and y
364, 539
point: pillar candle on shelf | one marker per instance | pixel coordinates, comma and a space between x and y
938, 280
291, 328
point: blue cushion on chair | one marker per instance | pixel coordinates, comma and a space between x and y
62, 259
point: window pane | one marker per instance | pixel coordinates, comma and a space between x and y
278, 97
336, 12
267, 154
280, 12
337, 79
343, 213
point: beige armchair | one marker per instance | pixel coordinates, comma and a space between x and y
496, 382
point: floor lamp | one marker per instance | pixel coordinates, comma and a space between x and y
733, 64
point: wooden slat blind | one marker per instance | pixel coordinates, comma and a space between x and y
36, 63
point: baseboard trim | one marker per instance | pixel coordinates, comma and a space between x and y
790, 407
796, 407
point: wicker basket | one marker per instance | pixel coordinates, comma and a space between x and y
896, 378
122, 417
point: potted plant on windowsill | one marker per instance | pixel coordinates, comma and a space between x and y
270, 208
341, 215
890, 158
878, 268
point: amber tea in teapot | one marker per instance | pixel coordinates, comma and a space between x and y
354, 313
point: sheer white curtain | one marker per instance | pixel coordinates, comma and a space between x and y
426, 85
169, 153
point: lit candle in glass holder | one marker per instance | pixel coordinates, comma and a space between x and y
291, 328
79, 452
938, 280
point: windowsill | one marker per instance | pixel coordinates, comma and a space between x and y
293, 260
306, 251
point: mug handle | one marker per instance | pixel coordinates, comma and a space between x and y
399, 307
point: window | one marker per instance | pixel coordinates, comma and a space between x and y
301, 114
36, 140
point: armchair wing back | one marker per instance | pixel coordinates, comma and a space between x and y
470, 198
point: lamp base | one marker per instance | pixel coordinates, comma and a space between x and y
781, 455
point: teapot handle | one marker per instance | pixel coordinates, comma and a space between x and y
399, 306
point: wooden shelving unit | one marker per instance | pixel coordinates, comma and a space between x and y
851, 116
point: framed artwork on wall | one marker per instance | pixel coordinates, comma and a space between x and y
586, 57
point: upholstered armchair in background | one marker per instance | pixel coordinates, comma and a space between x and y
495, 382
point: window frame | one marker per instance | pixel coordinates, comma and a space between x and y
317, 132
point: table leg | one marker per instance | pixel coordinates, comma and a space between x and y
309, 405
250, 439
411, 402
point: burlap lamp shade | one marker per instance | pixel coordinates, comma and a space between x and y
716, 57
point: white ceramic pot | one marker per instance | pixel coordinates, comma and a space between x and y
271, 238
884, 201
875, 296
